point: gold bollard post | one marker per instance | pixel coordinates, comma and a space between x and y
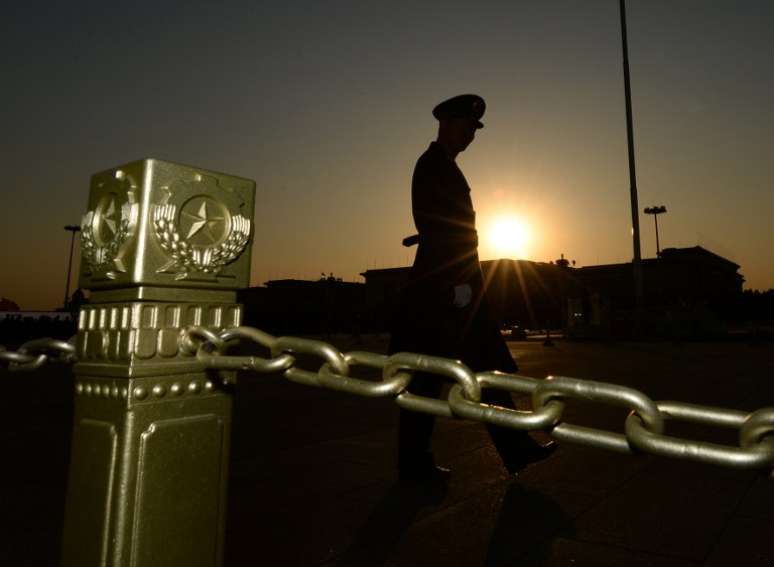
164, 247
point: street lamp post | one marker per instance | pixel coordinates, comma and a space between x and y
655, 211
73, 229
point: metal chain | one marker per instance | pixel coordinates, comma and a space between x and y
35, 353
643, 430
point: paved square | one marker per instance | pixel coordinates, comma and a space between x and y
313, 480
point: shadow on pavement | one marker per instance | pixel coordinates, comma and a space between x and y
526, 526
393, 515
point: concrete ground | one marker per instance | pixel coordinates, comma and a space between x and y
313, 480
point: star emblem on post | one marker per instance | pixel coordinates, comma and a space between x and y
204, 220
198, 226
107, 218
106, 228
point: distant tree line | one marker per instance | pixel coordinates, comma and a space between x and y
16, 330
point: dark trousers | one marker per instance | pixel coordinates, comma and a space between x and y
415, 429
469, 335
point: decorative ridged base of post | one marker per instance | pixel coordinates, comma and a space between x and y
148, 472
142, 338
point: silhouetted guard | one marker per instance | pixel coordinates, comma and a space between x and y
164, 247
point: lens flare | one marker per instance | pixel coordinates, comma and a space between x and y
509, 237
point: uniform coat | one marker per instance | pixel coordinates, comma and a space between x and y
428, 322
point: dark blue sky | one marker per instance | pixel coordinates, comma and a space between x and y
327, 106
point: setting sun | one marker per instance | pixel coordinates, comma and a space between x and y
509, 237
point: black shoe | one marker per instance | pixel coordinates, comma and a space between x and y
432, 474
425, 485
532, 456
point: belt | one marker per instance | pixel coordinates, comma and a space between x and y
415, 239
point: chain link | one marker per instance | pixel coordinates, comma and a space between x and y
643, 428
543, 417
209, 346
559, 387
754, 450
35, 353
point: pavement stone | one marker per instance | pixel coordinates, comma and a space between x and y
745, 542
669, 509
568, 552
759, 501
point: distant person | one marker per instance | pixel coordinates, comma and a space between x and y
77, 300
443, 311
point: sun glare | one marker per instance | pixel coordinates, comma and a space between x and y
509, 237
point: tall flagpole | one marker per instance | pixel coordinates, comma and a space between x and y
636, 260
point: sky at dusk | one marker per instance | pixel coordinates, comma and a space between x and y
327, 105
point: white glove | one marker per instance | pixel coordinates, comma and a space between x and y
462, 295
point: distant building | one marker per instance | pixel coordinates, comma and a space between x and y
323, 306
382, 292
530, 294
687, 292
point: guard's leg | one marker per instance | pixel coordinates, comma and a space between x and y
516, 447
415, 429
